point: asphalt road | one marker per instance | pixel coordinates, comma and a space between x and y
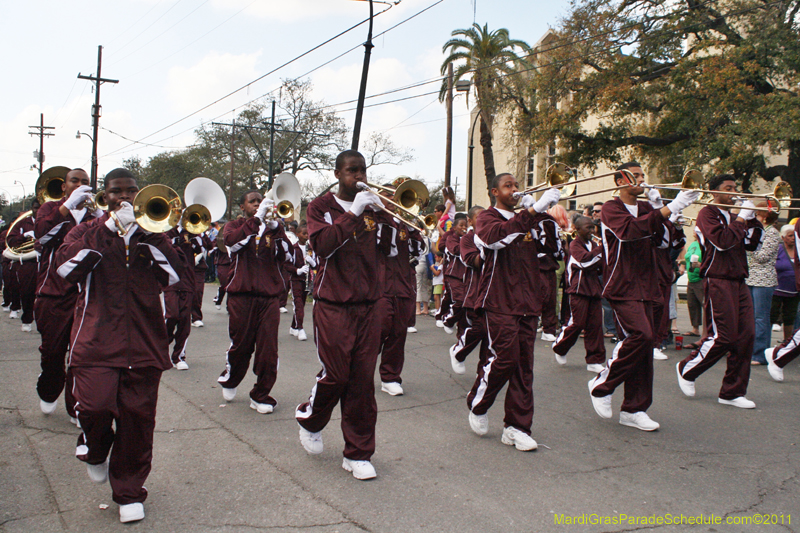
220, 466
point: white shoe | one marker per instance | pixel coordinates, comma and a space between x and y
458, 367
602, 406
658, 355
196, 324
447, 329
229, 394
6, 308
131, 512
560, 359
284, 310
596, 368
182, 365
26, 328
312, 442
360, 469
548, 337
218, 306
776, 327
13, 314
392, 388
412, 329
293, 332
687, 387
775, 372
638, 420
262, 408
48, 408
479, 423
75, 421
741, 402
301, 335
439, 324
520, 440
98, 473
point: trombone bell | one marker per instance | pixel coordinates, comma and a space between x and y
49, 186
157, 208
285, 209
196, 219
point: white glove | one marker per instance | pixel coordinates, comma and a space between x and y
310, 261
266, 205
676, 218
528, 201
683, 200
78, 196
302, 270
362, 200
747, 211
654, 196
548, 200
124, 215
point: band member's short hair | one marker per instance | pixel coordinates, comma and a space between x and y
243, 197
474, 210
460, 216
497, 178
344, 155
716, 182
117, 173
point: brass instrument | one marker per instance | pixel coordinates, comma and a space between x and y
206, 203
95, 203
286, 194
157, 209
49, 186
574, 235
25, 251
408, 197
559, 175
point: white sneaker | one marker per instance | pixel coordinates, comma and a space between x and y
458, 367
196, 324
775, 372
6, 308
479, 423
218, 306
360, 469
447, 329
741, 402
26, 328
520, 440
284, 310
131, 512
548, 337
602, 406
182, 365
48, 408
439, 324
412, 329
228, 394
13, 314
638, 420
687, 387
560, 359
658, 355
98, 473
596, 368
262, 408
392, 388
293, 332
301, 335
312, 442
776, 327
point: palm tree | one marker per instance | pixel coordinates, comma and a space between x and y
489, 57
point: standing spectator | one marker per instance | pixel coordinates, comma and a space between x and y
438, 284
424, 286
596, 210
785, 298
762, 281
694, 288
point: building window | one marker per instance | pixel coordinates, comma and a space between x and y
530, 173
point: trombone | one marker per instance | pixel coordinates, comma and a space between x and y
559, 175
157, 209
408, 197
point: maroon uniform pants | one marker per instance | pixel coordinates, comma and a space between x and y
394, 315
348, 340
54, 322
549, 296
632, 360
586, 314
299, 295
731, 331
456, 292
223, 273
473, 334
253, 327
24, 275
446, 301
788, 350
126, 398
510, 341
6, 284
197, 297
661, 315
178, 315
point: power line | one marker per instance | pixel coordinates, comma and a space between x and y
147, 28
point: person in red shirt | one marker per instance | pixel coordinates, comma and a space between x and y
258, 247
631, 232
724, 240
118, 344
350, 240
507, 295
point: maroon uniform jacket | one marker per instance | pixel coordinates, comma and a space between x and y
454, 267
629, 243
221, 258
469, 252
401, 278
186, 247
548, 260
297, 262
350, 251
723, 241
202, 244
583, 268
511, 267
119, 321
673, 239
257, 257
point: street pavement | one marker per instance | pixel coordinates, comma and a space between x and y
220, 466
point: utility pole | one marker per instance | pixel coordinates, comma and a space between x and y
41, 134
448, 149
96, 110
362, 92
230, 183
271, 144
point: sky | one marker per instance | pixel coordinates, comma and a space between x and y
173, 58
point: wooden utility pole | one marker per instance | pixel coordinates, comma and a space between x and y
41, 134
448, 149
96, 111
362, 92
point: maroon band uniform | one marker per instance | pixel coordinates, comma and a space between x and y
454, 288
473, 331
23, 273
179, 298
203, 245
223, 263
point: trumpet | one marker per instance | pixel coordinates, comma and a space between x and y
95, 203
574, 235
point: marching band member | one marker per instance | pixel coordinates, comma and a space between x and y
454, 273
786, 352
5, 264
223, 263
203, 245
584, 289
548, 266
724, 238
24, 271
508, 288
118, 341
258, 249
179, 297
349, 240
631, 230
303, 262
